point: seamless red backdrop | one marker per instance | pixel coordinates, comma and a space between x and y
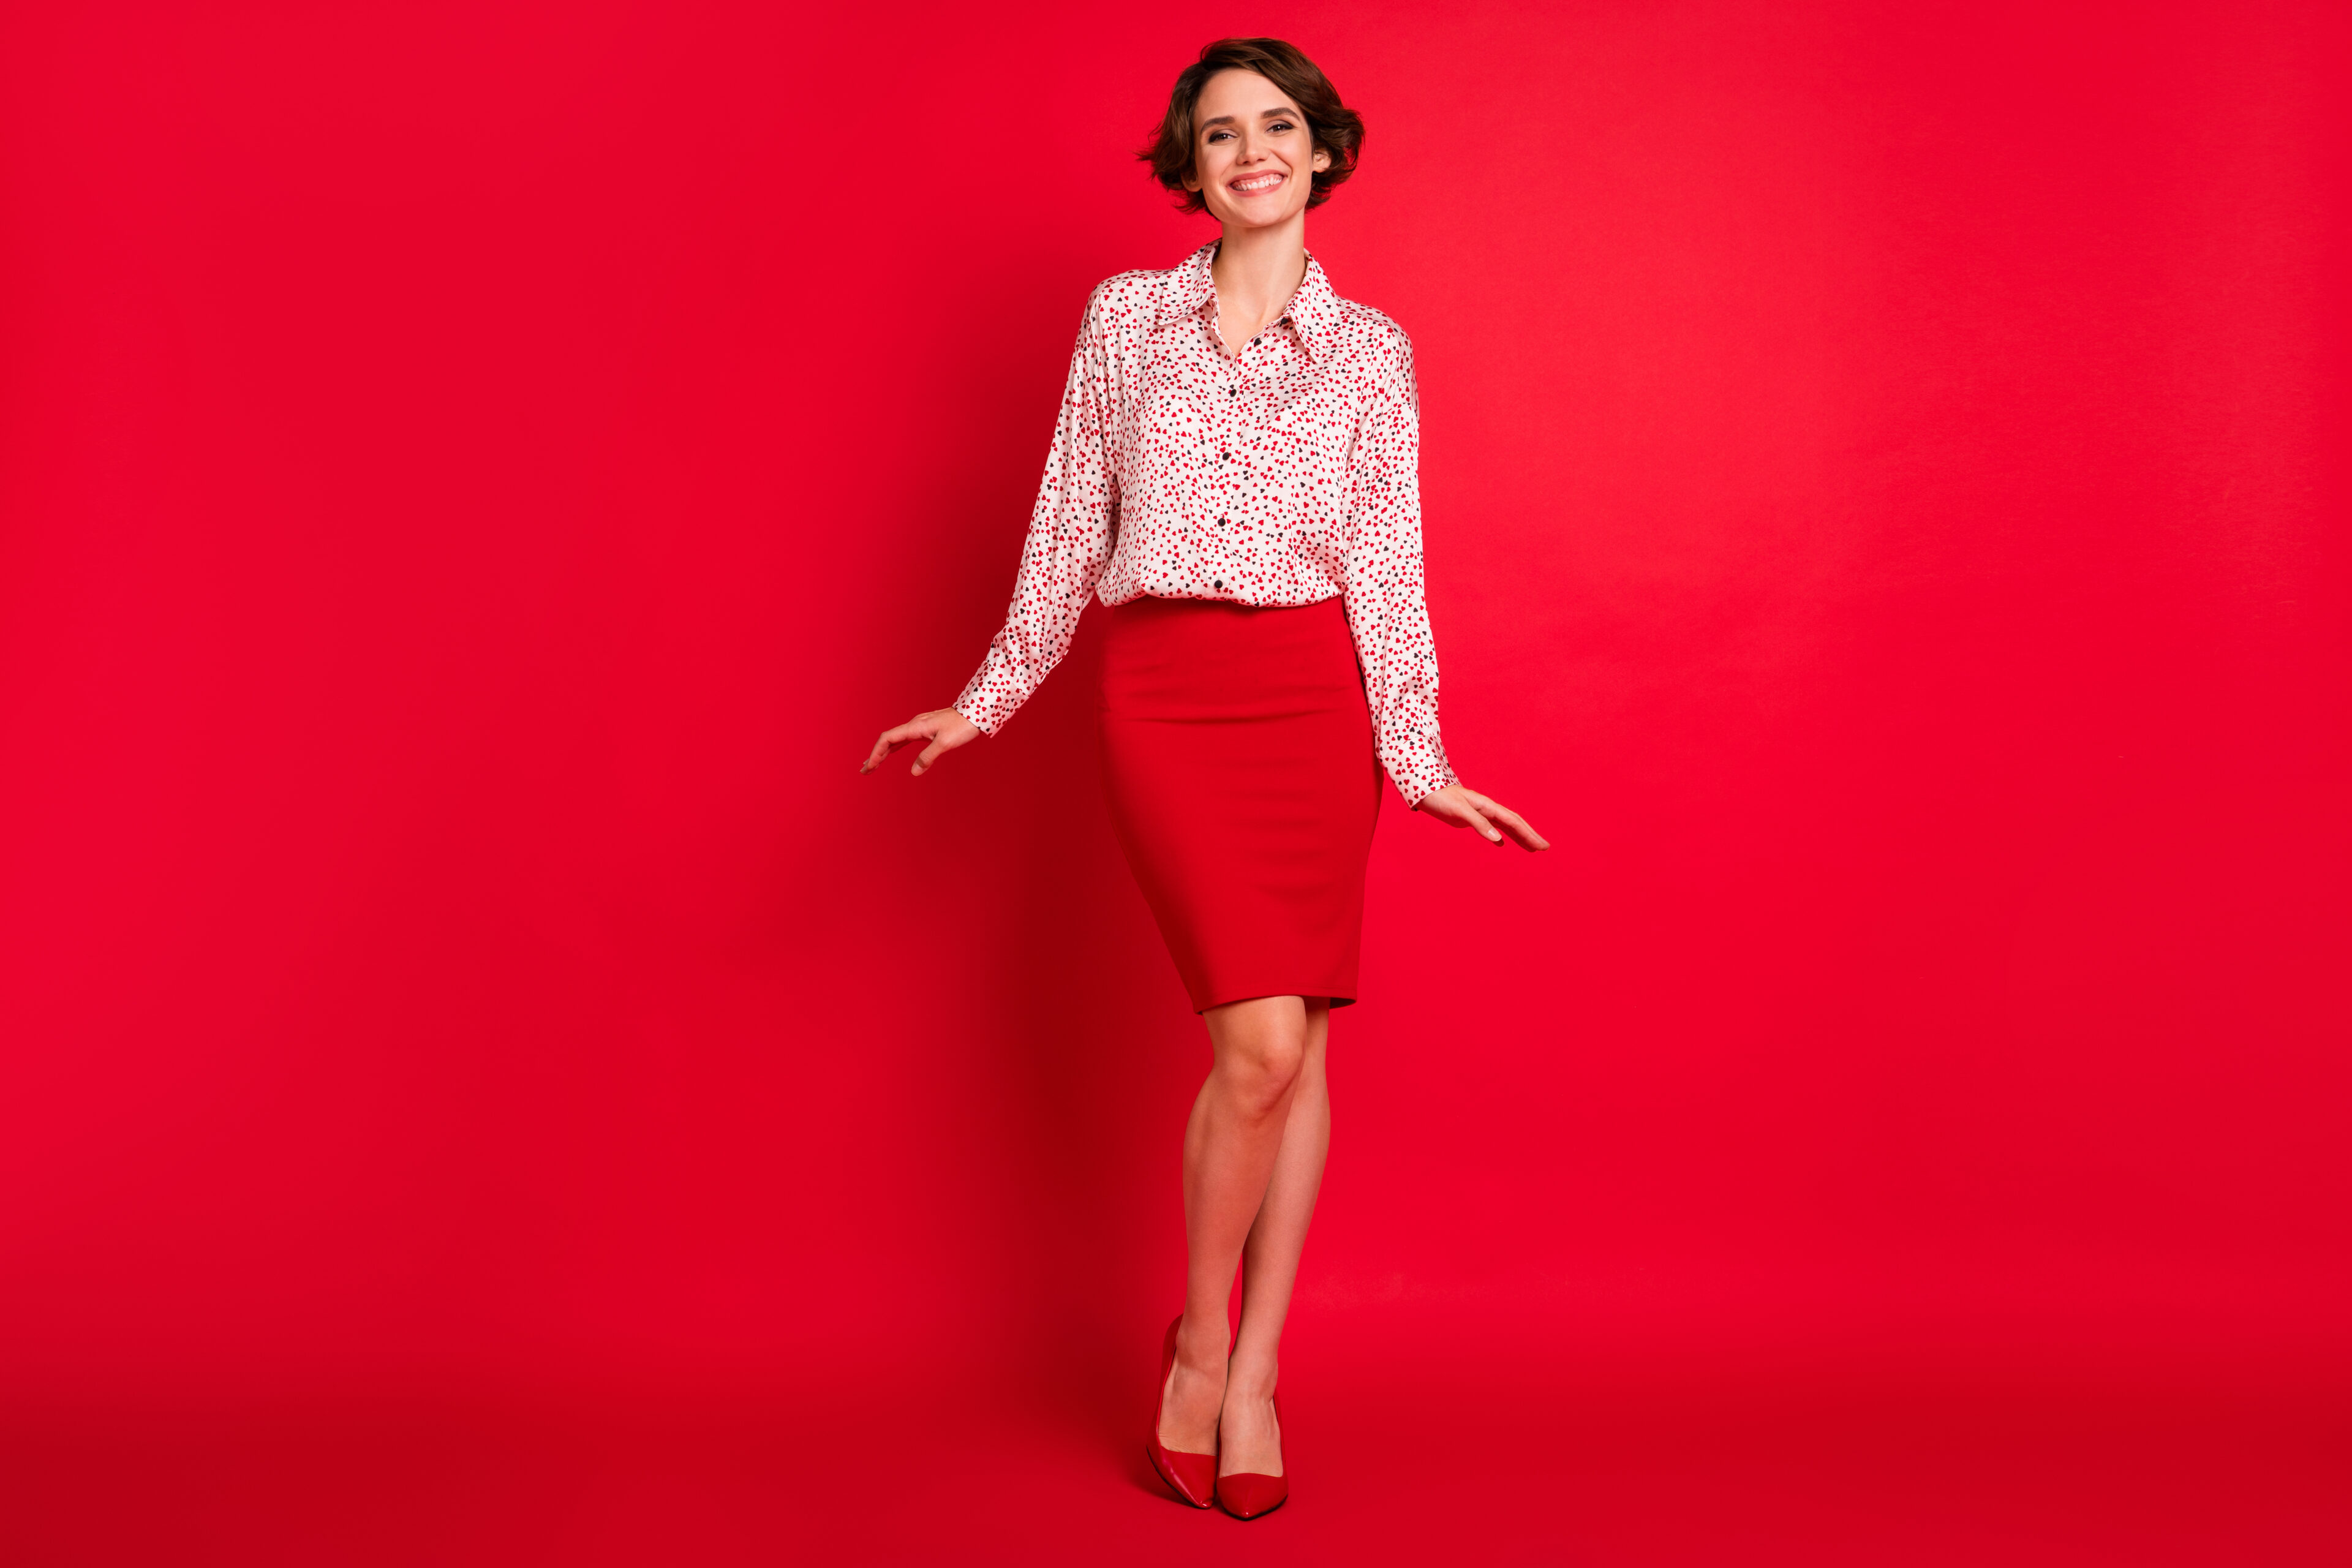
474, 480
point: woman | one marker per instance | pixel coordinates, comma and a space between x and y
1234, 473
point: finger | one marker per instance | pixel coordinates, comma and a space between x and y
1527, 837
932, 754
1477, 817
1516, 826
1510, 822
889, 741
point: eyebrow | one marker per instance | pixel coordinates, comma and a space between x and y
1285, 112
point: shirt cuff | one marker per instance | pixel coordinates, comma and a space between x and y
989, 700
1418, 766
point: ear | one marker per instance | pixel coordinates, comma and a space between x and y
1321, 161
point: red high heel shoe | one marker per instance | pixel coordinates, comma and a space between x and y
1191, 1477
1248, 1496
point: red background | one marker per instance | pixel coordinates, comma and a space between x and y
484, 1074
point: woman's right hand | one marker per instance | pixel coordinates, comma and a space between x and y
944, 728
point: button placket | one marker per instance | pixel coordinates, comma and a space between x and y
1306, 394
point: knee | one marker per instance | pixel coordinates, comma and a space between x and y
1264, 1068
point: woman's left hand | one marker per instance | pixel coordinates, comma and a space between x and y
1459, 807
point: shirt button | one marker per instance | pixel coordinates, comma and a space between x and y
1218, 586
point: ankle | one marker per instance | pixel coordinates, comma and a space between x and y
1203, 1350
1247, 1384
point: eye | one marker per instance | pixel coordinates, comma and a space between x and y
1281, 125
1217, 136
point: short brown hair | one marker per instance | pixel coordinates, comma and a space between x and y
1336, 129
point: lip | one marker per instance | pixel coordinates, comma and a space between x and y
1247, 184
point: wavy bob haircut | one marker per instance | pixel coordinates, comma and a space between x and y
1337, 130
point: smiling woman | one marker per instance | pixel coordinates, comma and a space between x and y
1334, 131
1235, 473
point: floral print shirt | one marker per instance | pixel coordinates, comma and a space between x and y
1285, 475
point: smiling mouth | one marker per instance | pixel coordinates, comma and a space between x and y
1254, 184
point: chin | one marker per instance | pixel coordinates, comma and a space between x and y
1257, 217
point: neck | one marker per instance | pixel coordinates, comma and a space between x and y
1257, 270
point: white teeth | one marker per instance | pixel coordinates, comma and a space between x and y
1261, 182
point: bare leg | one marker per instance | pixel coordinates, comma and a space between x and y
1231, 1145
1250, 1437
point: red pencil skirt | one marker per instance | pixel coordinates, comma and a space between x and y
1237, 755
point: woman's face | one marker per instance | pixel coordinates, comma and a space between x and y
1254, 159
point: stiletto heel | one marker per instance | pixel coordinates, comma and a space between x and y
1191, 1477
1247, 1496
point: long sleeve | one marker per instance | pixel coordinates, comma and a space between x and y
1386, 608
1069, 541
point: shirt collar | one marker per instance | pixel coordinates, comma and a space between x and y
1313, 311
